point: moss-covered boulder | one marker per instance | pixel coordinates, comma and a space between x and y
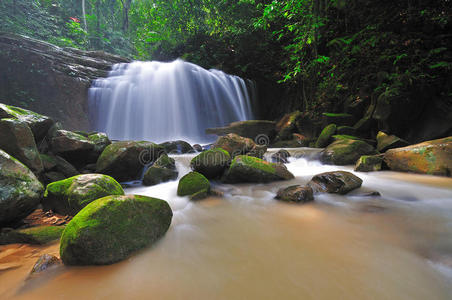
325, 136
430, 157
58, 164
177, 147
192, 183
39, 235
245, 168
202, 194
211, 163
125, 160
252, 129
234, 144
17, 140
287, 125
386, 142
72, 146
20, 190
369, 163
295, 193
69, 196
345, 152
38, 124
338, 182
164, 169
100, 141
258, 151
110, 229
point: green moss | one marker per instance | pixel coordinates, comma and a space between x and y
191, 183
111, 228
325, 136
211, 163
334, 115
202, 194
35, 235
345, 137
369, 163
255, 163
164, 161
156, 175
346, 151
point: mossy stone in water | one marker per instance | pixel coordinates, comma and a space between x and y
325, 136
345, 152
211, 163
164, 169
35, 235
192, 183
110, 229
369, 163
70, 195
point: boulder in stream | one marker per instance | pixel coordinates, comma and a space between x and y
192, 183
177, 147
39, 235
44, 263
164, 169
345, 152
325, 136
235, 144
369, 163
337, 182
295, 193
252, 129
281, 156
110, 229
211, 163
386, 142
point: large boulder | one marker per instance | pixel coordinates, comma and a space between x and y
338, 182
20, 190
125, 160
211, 163
286, 126
164, 169
252, 129
38, 124
58, 164
295, 193
100, 141
326, 136
345, 152
177, 147
245, 168
430, 157
39, 235
17, 139
69, 196
111, 228
234, 144
369, 163
386, 142
193, 183
282, 156
72, 146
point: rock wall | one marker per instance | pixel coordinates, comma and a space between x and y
50, 80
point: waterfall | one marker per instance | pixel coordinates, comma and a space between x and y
159, 101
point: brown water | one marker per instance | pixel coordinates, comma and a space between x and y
248, 246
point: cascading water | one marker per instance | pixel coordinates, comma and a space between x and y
159, 101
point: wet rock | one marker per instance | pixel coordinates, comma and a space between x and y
35, 235
258, 151
38, 124
345, 152
234, 144
295, 193
338, 182
287, 125
325, 137
369, 163
211, 163
164, 169
125, 160
72, 146
197, 147
44, 263
177, 147
70, 195
100, 141
386, 142
338, 137
17, 140
430, 157
20, 190
110, 229
49, 177
281, 156
192, 183
251, 169
58, 164
202, 194
297, 141
252, 129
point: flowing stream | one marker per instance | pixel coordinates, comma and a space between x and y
247, 245
158, 101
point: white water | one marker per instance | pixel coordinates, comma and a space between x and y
159, 101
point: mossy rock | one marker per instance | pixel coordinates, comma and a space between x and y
369, 163
177, 147
245, 168
345, 152
386, 142
35, 235
65, 142
286, 126
192, 183
430, 157
351, 137
70, 195
202, 194
20, 190
295, 193
211, 163
125, 160
234, 144
325, 136
337, 182
164, 169
100, 141
110, 229
58, 164
252, 129
341, 119
164, 161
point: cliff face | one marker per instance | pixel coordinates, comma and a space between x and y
50, 80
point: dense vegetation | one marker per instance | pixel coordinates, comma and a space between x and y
325, 54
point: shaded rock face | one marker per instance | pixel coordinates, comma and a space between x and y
70, 195
177, 147
431, 157
252, 129
386, 142
245, 168
338, 182
369, 163
295, 193
72, 146
286, 126
211, 163
56, 79
345, 152
20, 190
111, 228
164, 169
17, 139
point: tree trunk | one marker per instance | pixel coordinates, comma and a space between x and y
84, 15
